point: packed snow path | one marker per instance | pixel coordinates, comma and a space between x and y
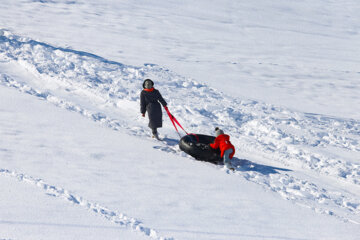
297, 142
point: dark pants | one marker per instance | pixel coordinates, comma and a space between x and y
154, 130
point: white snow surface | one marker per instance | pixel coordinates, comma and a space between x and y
280, 77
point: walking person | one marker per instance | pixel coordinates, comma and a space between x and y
150, 99
222, 141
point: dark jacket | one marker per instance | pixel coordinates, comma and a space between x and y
149, 102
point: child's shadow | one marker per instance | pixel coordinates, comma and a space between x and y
243, 165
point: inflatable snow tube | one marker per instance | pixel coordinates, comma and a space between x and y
197, 146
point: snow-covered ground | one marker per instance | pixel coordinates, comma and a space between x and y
76, 157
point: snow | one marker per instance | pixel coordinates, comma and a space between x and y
40, 216
76, 157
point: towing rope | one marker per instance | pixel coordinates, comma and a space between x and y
175, 121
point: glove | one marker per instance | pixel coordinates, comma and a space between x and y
143, 114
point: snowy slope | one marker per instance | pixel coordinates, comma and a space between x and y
303, 55
70, 127
93, 168
103, 91
28, 213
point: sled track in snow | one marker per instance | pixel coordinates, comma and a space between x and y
58, 192
255, 126
289, 137
307, 194
299, 191
99, 117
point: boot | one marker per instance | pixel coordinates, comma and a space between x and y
156, 135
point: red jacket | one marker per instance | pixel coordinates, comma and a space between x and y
223, 142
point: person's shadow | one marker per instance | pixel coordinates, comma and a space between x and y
244, 165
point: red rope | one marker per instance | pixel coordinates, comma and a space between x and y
174, 120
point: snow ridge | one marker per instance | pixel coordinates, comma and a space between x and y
301, 192
307, 194
99, 117
58, 192
291, 138
257, 126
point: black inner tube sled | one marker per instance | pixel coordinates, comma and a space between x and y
197, 146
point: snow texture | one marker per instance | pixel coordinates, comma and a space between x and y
307, 161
